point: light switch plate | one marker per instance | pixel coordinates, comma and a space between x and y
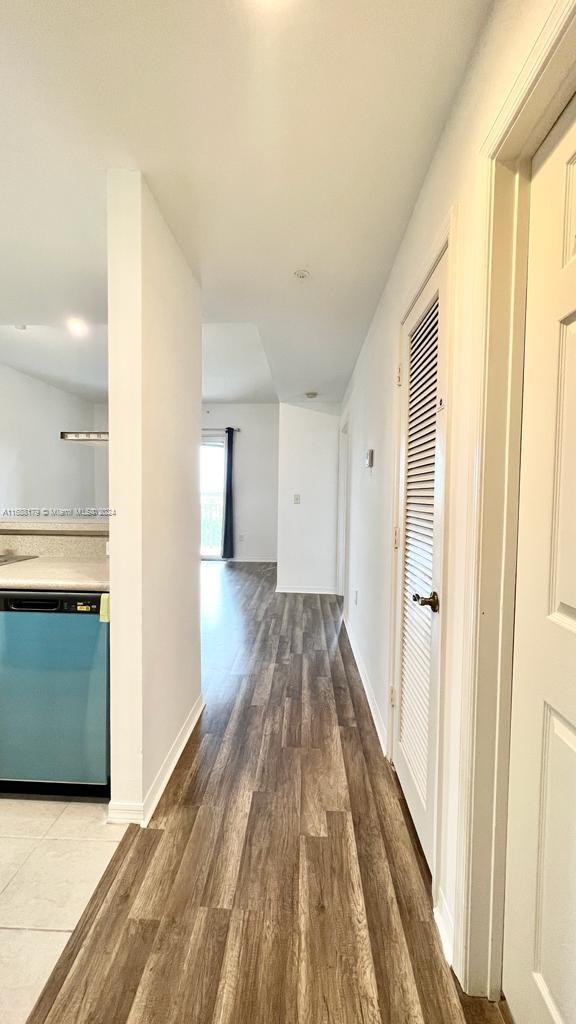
296, 499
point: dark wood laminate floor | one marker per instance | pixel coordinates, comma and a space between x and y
279, 881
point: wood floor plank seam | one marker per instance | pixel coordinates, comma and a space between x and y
279, 881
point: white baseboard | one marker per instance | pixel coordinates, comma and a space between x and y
261, 561
442, 915
169, 763
445, 925
122, 813
140, 814
370, 693
306, 590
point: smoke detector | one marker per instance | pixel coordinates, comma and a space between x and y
302, 274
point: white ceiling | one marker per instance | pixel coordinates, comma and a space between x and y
234, 367
79, 365
275, 134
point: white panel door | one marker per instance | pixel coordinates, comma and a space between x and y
415, 747
540, 921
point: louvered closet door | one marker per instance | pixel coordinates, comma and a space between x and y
416, 699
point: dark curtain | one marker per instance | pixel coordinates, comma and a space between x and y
228, 541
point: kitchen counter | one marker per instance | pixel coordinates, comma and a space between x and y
63, 527
56, 573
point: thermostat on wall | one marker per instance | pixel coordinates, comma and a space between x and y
369, 461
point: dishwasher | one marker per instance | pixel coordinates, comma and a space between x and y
53, 693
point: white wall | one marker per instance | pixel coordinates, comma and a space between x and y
38, 469
454, 183
307, 532
255, 475
101, 488
154, 411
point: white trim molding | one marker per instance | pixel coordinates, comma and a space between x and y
369, 691
246, 561
141, 813
442, 915
169, 763
544, 85
445, 925
444, 246
122, 813
343, 508
306, 590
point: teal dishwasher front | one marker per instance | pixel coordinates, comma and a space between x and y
53, 692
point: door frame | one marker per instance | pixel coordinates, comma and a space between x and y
342, 577
442, 251
544, 86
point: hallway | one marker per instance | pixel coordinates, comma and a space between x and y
278, 881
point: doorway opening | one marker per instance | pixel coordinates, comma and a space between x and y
212, 481
343, 515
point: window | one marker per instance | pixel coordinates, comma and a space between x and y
212, 475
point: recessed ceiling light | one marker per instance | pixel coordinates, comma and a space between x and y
302, 275
311, 394
78, 327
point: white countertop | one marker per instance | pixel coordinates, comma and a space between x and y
56, 573
91, 527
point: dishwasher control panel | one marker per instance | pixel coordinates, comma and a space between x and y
89, 606
60, 603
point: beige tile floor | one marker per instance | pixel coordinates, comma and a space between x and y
52, 855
